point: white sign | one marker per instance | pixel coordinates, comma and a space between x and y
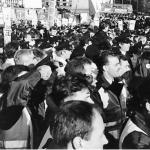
132, 24
51, 12
30, 14
121, 11
7, 27
120, 25
84, 18
58, 22
96, 21
32, 3
65, 21
1, 19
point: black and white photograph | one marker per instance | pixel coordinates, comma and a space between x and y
75, 74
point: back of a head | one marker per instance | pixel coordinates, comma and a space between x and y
10, 49
67, 85
74, 119
76, 65
10, 74
102, 60
103, 25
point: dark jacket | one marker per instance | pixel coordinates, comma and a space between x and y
19, 94
138, 135
115, 110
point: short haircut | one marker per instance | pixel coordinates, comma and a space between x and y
10, 74
76, 65
10, 49
73, 119
103, 59
67, 85
103, 25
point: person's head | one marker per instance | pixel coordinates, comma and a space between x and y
124, 44
84, 29
142, 39
41, 32
71, 87
135, 39
28, 57
104, 26
84, 66
10, 49
10, 74
109, 64
28, 37
78, 125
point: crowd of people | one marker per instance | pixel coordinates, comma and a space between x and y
76, 87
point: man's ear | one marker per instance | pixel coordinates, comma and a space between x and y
104, 68
147, 106
120, 44
77, 142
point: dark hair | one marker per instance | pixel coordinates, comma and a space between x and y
103, 25
38, 53
73, 119
76, 65
66, 85
10, 49
10, 74
103, 59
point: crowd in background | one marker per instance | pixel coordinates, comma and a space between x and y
53, 81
